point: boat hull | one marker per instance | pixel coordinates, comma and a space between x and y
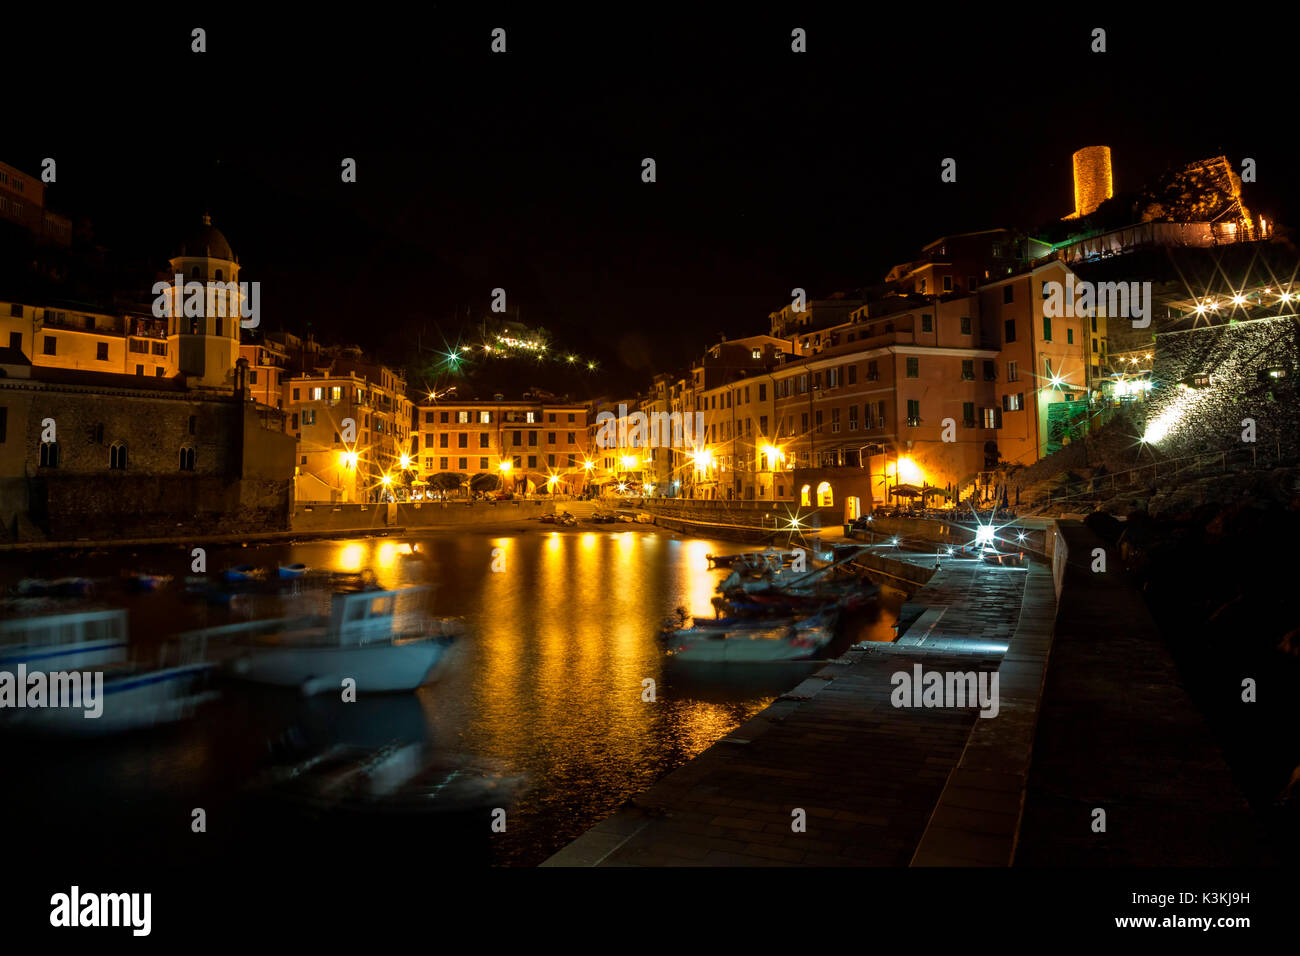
377, 668
131, 702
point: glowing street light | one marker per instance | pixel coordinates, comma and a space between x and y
405, 462
504, 467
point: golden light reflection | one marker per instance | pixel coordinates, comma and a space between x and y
386, 555
351, 557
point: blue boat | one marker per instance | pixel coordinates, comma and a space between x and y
292, 570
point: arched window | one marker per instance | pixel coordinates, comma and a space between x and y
219, 275
187, 458
824, 497
49, 454
117, 456
803, 495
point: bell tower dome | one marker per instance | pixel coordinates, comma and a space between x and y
204, 308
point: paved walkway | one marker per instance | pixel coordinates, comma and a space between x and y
1117, 731
867, 775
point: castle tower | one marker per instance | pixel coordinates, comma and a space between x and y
1093, 184
203, 317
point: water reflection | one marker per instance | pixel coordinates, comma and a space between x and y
563, 633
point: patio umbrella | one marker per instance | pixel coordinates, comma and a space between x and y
907, 491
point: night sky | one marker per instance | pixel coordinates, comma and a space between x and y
476, 170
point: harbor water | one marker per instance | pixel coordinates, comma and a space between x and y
550, 684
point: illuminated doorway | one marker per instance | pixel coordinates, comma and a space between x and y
824, 497
852, 507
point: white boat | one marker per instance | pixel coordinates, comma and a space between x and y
360, 639
92, 643
790, 643
64, 642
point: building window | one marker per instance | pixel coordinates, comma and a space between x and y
485, 418
1008, 292
482, 464
819, 420
532, 439
462, 463
570, 437
1010, 330
309, 417
442, 440
873, 371
968, 370
187, 459
1047, 328
1069, 336
990, 370
947, 283
965, 325
483, 440
913, 412
992, 418
1013, 372
462, 418
442, 464
573, 417
1013, 403
1094, 323
1094, 345
532, 461
835, 419
927, 322
442, 417
913, 367
853, 418
117, 456
159, 348
968, 414
50, 345
550, 438
101, 351
50, 454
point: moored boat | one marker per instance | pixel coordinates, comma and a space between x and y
360, 640
292, 570
70, 650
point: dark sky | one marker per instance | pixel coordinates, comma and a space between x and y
522, 171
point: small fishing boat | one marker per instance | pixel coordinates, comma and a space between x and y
143, 581
86, 639
790, 643
90, 645
54, 587
360, 640
292, 570
244, 572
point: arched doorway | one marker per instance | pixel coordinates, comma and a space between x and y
824, 497
803, 495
